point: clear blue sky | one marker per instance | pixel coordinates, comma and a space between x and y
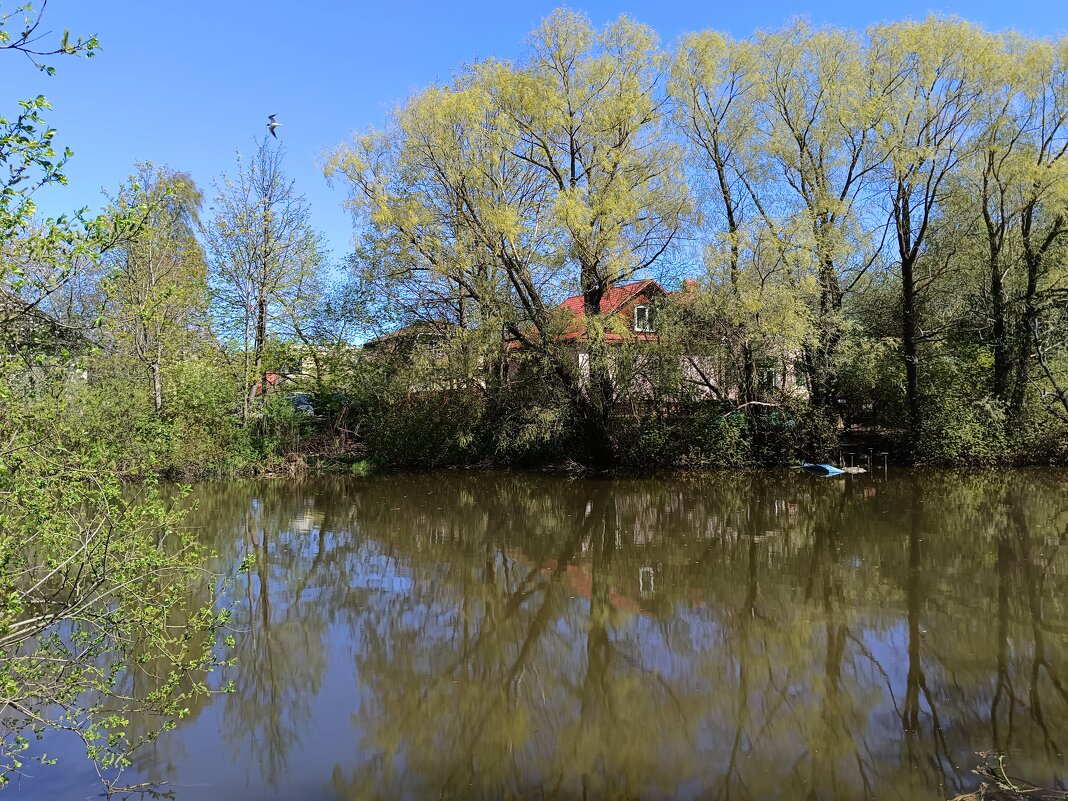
188, 82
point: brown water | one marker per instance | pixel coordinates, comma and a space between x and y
764, 636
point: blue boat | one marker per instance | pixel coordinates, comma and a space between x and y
824, 470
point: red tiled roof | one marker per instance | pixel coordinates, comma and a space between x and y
612, 299
611, 303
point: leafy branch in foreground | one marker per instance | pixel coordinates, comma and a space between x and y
107, 621
108, 624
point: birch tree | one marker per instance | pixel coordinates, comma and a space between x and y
158, 289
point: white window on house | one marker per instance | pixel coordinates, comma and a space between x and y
643, 319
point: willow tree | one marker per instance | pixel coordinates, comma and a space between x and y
784, 124
520, 181
822, 102
1043, 217
935, 68
715, 93
1008, 201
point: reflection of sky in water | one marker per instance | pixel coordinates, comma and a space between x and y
380, 573
650, 639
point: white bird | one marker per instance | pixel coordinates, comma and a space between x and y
272, 125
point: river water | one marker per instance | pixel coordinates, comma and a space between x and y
724, 636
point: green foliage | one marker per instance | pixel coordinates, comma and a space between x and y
529, 421
699, 436
871, 382
96, 584
426, 430
361, 468
962, 432
206, 434
100, 585
130, 353
280, 427
156, 293
961, 426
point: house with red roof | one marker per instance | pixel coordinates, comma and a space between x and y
631, 310
634, 305
628, 316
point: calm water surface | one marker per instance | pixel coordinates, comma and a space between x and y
764, 636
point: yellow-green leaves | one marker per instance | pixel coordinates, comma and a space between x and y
561, 161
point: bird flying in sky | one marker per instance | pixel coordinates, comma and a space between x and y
272, 125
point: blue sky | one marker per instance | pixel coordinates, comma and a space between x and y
188, 83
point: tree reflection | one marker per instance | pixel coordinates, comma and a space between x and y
723, 637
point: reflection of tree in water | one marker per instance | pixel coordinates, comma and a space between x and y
281, 650
968, 634
776, 653
1046, 677
296, 550
527, 688
728, 637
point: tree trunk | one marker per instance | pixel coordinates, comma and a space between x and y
259, 366
593, 421
995, 225
749, 383
819, 360
599, 390
1002, 366
1021, 369
246, 400
157, 387
909, 346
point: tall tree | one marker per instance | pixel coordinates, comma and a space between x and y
519, 181
1014, 182
262, 249
821, 103
934, 68
158, 288
1043, 217
715, 93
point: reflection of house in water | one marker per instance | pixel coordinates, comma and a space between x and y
578, 578
644, 550
655, 541
307, 521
